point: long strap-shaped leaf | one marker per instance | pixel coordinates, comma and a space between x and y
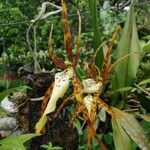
129, 124
96, 32
133, 128
67, 33
121, 139
125, 71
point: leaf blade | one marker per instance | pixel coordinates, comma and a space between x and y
126, 70
133, 128
15, 142
96, 33
121, 139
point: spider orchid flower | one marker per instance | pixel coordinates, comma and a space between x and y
90, 86
61, 85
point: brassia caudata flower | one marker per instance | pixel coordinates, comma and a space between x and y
61, 85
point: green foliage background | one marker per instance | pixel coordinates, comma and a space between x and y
15, 19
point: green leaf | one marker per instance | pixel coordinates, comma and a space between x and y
144, 82
7, 92
78, 126
133, 128
81, 73
56, 148
15, 142
108, 138
83, 147
147, 46
146, 125
124, 89
96, 32
121, 139
51, 147
126, 70
45, 146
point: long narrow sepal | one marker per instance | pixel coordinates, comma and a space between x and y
67, 33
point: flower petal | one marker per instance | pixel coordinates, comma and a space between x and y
88, 102
90, 86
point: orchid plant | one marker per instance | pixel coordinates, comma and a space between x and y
87, 94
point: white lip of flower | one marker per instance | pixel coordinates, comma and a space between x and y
61, 85
90, 86
88, 102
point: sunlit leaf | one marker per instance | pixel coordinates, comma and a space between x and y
133, 128
121, 139
15, 142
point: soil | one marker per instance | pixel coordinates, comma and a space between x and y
38, 83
